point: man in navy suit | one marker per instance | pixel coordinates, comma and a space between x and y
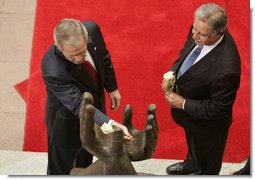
206, 91
78, 62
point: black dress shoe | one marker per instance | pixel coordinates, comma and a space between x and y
178, 169
242, 172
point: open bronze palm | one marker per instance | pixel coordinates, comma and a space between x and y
114, 156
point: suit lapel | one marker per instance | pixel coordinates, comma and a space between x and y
196, 70
202, 65
184, 54
80, 73
187, 50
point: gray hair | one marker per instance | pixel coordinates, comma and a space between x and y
214, 15
69, 32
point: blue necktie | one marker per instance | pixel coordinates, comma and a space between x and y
188, 62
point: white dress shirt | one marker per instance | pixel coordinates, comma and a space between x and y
207, 49
89, 58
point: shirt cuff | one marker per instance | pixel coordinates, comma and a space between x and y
183, 105
110, 121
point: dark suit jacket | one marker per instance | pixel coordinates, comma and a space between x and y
209, 87
65, 84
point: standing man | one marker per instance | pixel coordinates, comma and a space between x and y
78, 62
207, 78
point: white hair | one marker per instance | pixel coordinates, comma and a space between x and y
214, 15
70, 32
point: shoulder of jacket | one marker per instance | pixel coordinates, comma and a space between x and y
52, 63
90, 24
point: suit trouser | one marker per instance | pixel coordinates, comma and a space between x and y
61, 161
205, 151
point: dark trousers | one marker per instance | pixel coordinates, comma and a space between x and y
205, 152
61, 161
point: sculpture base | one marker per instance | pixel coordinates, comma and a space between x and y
144, 174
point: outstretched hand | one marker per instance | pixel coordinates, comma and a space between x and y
145, 141
115, 156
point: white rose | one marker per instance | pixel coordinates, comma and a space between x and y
169, 75
106, 128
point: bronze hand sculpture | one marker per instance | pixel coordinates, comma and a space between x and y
114, 156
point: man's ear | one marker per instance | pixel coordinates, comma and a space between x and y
221, 32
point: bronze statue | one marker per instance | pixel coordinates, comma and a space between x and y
114, 156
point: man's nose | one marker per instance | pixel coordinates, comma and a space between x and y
195, 34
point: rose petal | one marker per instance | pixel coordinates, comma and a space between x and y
169, 75
106, 128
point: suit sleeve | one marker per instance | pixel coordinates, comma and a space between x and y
223, 94
71, 97
109, 74
110, 82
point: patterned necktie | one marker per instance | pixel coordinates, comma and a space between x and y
92, 72
188, 62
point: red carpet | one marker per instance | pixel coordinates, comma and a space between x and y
144, 38
22, 89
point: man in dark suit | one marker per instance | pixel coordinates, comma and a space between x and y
207, 78
78, 62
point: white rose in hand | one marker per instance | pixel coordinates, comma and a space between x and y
169, 75
168, 81
106, 128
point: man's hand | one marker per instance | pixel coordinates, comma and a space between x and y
115, 99
145, 140
164, 86
168, 82
174, 100
127, 137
